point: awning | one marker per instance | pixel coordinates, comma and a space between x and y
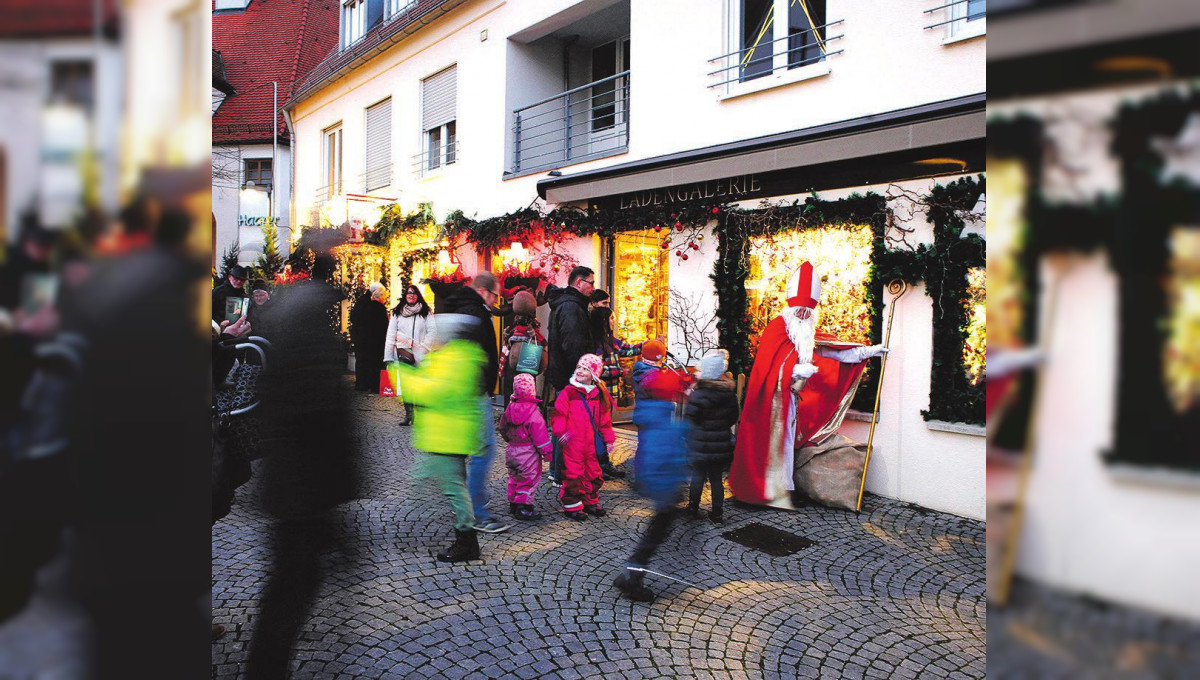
947, 137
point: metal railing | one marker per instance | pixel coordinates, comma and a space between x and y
375, 178
587, 122
432, 160
792, 57
956, 7
326, 193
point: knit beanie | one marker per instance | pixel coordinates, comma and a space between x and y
653, 351
713, 365
524, 386
524, 304
592, 363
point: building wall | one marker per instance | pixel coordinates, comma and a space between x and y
25, 84
230, 202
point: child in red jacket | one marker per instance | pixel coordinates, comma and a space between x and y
582, 421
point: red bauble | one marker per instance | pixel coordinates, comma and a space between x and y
694, 245
716, 210
679, 224
679, 252
678, 227
684, 256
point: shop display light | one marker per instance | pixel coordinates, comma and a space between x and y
975, 348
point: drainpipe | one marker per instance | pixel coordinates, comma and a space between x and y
568, 43
287, 118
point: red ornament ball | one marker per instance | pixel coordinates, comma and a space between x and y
716, 210
678, 224
694, 245
684, 256
679, 252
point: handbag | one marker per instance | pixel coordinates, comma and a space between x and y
530, 359
406, 355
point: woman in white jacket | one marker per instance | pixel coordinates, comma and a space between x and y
409, 336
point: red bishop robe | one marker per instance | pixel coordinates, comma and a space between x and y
760, 471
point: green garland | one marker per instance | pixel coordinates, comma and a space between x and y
410, 260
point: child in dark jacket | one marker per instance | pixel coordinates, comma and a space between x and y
523, 427
712, 410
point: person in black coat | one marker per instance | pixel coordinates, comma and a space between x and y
233, 286
368, 327
569, 331
712, 409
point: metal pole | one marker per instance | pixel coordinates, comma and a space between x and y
274, 151
897, 288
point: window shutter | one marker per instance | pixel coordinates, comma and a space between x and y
379, 145
438, 98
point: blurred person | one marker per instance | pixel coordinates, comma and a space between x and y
261, 307
408, 337
445, 388
796, 386
477, 301
368, 328
524, 348
234, 285
660, 465
138, 429
582, 421
711, 412
308, 466
524, 428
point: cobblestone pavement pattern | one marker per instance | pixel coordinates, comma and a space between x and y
892, 592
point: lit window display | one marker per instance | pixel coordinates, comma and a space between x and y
1005, 236
841, 254
975, 347
1181, 361
640, 287
399, 246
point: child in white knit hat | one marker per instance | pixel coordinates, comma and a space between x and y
712, 411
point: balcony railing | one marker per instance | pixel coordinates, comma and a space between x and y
375, 178
326, 193
584, 123
432, 160
805, 47
960, 12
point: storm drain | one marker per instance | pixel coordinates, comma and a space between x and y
772, 541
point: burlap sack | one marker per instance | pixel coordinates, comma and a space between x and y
830, 473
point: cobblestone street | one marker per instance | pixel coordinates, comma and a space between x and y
893, 592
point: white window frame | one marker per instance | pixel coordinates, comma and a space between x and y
353, 22
447, 150
332, 177
396, 7
780, 73
961, 28
368, 187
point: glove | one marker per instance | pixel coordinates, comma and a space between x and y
854, 355
804, 371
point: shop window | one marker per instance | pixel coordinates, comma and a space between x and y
975, 347
1181, 361
640, 287
842, 255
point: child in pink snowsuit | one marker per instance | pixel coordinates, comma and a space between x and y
582, 421
523, 427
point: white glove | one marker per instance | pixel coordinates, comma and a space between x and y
854, 355
804, 371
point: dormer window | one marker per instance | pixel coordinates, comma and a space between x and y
219, 5
354, 21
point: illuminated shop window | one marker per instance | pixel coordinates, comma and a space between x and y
975, 347
1181, 360
641, 287
842, 256
1006, 230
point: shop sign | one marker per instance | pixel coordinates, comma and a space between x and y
251, 221
725, 189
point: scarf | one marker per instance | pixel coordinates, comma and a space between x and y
586, 388
411, 310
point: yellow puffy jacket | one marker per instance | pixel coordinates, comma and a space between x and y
444, 385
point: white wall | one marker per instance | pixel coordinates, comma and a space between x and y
1088, 527
230, 202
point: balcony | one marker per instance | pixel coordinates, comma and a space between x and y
434, 159
376, 178
584, 123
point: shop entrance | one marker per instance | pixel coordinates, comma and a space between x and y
639, 283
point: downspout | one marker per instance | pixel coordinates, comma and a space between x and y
287, 118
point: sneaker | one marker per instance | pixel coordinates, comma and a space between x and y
526, 512
716, 518
595, 510
578, 516
631, 586
693, 512
491, 526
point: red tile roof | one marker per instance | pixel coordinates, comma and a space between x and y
53, 18
271, 40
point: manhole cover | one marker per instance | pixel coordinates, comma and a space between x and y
772, 541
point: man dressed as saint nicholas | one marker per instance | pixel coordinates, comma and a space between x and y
799, 391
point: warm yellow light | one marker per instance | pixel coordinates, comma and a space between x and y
943, 161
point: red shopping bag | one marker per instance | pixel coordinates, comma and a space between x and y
387, 386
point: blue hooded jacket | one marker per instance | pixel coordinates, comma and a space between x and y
660, 466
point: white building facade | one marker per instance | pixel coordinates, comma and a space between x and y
470, 105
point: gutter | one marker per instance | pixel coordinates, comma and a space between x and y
287, 119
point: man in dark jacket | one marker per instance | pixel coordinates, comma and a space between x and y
568, 335
232, 286
476, 301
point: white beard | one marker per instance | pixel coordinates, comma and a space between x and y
802, 332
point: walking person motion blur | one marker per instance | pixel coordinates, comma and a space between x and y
524, 428
660, 465
443, 385
368, 328
476, 301
308, 467
408, 337
582, 421
610, 349
711, 413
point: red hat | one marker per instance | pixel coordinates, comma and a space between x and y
804, 287
653, 351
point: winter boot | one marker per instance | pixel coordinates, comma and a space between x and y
631, 586
465, 547
595, 510
524, 512
577, 515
